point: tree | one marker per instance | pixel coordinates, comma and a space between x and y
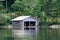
1, 6
17, 6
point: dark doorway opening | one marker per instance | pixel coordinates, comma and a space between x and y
26, 23
32, 23
29, 23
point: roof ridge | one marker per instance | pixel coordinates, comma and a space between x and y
20, 18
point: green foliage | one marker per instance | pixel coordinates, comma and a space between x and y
4, 19
47, 11
1, 6
17, 6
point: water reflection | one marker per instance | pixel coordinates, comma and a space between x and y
25, 38
9, 38
42, 34
31, 35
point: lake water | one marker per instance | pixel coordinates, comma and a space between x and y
42, 34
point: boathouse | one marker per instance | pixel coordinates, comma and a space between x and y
24, 23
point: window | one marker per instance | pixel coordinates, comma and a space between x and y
32, 23
26, 23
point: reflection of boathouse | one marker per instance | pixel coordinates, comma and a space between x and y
24, 25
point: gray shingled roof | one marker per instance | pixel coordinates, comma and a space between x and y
20, 18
